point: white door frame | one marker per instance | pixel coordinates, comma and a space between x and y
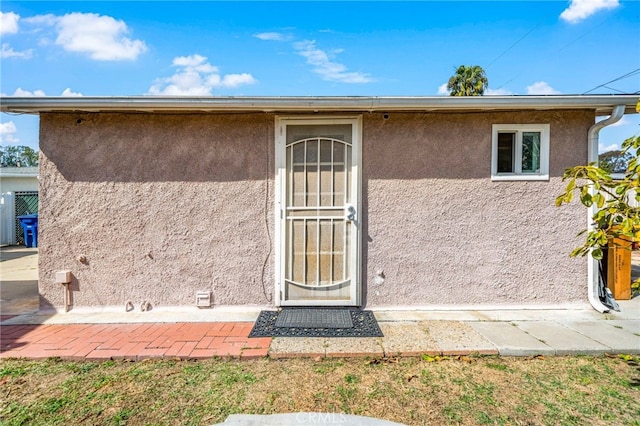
280, 201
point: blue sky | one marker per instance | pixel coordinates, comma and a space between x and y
315, 48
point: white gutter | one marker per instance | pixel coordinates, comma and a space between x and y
592, 157
601, 104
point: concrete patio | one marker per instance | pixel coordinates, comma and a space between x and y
152, 334
193, 333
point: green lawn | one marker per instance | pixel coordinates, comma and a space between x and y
427, 390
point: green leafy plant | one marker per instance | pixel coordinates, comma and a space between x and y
617, 218
18, 156
468, 81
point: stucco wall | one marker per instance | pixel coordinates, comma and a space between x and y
444, 233
162, 206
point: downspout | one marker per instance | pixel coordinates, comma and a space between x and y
592, 157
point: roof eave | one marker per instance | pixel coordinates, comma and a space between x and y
601, 104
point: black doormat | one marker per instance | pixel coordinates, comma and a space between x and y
314, 318
302, 322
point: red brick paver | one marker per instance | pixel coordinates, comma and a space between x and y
132, 341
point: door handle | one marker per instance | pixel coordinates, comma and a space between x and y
351, 213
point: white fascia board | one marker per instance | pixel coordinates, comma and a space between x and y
601, 104
18, 175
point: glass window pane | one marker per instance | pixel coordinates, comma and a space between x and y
296, 175
326, 252
337, 131
339, 171
311, 253
296, 254
312, 173
530, 152
326, 177
506, 151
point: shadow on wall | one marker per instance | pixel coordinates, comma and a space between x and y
458, 146
216, 226
111, 147
157, 148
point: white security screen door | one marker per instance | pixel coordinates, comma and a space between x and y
318, 211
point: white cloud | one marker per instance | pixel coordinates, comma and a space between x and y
273, 36
27, 94
196, 77
9, 23
99, 36
7, 133
612, 147
442, 90
68, 93
194, 62
328, 70
498, 92
579, 10
40, 93
8, 52
541, 88
102, 37
42, 20
230, 80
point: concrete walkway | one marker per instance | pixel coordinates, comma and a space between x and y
18, 280
154, 334
194, 333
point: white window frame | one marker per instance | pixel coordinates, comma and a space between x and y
519, 129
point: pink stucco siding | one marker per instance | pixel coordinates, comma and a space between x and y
444, 233
164, 205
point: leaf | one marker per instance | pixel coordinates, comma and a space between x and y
586, 199
576, 252
568, 198
428, 358
597, 254
410, 377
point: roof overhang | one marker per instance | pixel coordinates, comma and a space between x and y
18, 175
600, 104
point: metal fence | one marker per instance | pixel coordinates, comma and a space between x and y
26, 202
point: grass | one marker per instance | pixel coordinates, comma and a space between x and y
463, 390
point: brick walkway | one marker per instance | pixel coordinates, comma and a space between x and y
132, 341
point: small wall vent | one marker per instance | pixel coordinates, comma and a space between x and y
203, 299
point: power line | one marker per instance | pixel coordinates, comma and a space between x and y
614, 89
511, 47
622, 77
583, 35
553, 53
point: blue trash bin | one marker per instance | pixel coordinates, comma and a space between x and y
29, 223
